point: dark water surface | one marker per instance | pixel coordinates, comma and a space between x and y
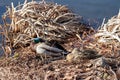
92, 9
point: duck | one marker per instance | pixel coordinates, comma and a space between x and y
47, 48
73, 56
78, 55
90, 54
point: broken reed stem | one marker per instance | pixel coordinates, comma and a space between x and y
114, 73
79, 37
6, 34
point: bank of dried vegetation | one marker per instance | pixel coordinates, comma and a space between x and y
51, 21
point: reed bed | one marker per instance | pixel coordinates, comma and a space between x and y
110, 32
108, 37
49, 21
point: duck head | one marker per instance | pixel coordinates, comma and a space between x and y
35, 42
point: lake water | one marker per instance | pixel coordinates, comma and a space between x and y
89, 9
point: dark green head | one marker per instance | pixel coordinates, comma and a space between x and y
37, 40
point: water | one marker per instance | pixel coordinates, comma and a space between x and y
90, 9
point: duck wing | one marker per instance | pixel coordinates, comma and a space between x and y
49, 48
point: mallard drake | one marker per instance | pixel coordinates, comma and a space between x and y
43, 47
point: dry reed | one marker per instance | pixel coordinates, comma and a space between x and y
55, 22
110, 32
49, 21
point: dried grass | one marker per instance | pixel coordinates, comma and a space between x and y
56, 22
49, 21
110, 32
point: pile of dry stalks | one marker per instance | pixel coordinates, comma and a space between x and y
40, 19
110, 32
108, 37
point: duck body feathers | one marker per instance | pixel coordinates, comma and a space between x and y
42, 48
